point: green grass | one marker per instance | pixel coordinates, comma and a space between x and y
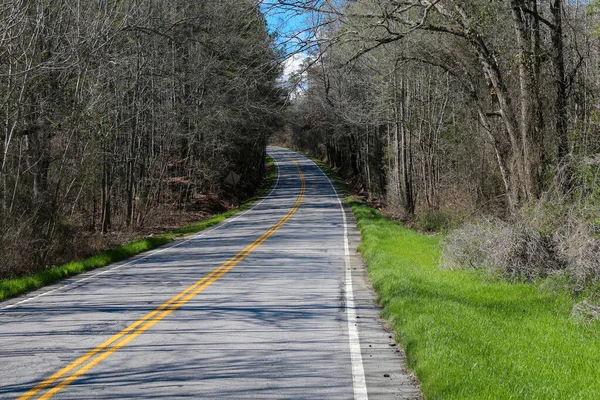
14, 287
468, 336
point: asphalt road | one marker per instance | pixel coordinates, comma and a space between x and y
273, 303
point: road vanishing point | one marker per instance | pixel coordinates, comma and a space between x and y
273, 303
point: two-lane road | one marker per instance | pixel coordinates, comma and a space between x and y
260, 306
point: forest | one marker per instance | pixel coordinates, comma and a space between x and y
115, 115
476, 118
467, 133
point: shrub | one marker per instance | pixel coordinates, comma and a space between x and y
579, 248
513, 251
547, 238
434, 221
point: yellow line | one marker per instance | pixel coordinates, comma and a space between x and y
111, 345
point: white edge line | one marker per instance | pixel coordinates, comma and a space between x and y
358, 371
151, 253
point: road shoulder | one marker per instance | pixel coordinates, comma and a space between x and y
384, 360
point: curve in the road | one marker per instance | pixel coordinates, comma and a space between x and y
114, 343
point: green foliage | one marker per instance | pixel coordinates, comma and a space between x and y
588, 177
435, 221
593, 9
468, 336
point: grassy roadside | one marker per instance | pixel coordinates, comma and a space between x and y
470, 337
14, 287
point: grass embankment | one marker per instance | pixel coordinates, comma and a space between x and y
468, 336
13, 287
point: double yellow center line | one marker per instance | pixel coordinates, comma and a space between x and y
95, 356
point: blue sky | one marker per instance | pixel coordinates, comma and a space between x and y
289, 25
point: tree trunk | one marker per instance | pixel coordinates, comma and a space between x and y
405, 152
561, 94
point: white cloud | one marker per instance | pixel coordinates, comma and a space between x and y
293, 65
